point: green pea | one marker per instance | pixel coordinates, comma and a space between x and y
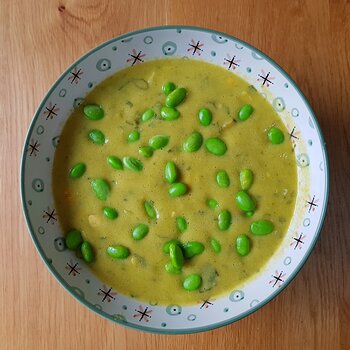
216, 245
212, 203
224, 220
77, 170
73, 239
147, 115
140, 231
216, 146
93, 112
181, 223
168, 88
245, 202
168, 113
176, 256
158, 141
205, 117
261, 227
246, 178
245, 112
118, 251
110, 213
170, 172
177, 189
97, 137
169, 267
222, 179
243, 245
146, 151
190, 249
176, 97
87, 252
115, 162
193, 142
166, 245
275, 136
132, 163
101, 188
192, 282
133, 136
150, 210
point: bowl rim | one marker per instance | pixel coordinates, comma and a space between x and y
274, 294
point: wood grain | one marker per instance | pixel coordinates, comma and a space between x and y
310, 39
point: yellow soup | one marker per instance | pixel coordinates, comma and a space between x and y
215, 261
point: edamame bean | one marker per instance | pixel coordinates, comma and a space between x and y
147, 115
245, 112
146, 151
177, 189
110, 213
87, 252
222, 179
168, 88
158, 141
212, 203
140, 231
181, 224
115, 162
118, 251
93, 112
97, 137
193, 142
133, 136
176, 256
216, 245
245, 202
242, 245
77, 170
169, 267
275, 136
170, 172
246, 178
205, 117
190, 249
150, 210
73, 239
261, 227
101, 188
168, 113
224, 220
132, 163
167, 245
216, 146
176, 97
192, 282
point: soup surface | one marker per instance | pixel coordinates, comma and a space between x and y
124, 97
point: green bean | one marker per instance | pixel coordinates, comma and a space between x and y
245, 112
150, 210
168, 88
177, 189
176, 97
110, 213
190, 249
169, 267
167, 245
118, 251
212, 203
158, 141
168, 113
93, 112
147, 115
275, 136
243, 245
77, 170
133, 136
140, 231
244, 201
261, 227
101, 188
192, 282
176, 256
246, 178
132, 163
181, 224
224, 220
87, 252
216, 245
73, 239
146, 151
222, 179
115, 162
193, 142
170, 172
97, 137
205, 117
216, 146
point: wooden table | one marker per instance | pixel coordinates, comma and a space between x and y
310, 39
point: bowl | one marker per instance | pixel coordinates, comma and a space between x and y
130, 49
